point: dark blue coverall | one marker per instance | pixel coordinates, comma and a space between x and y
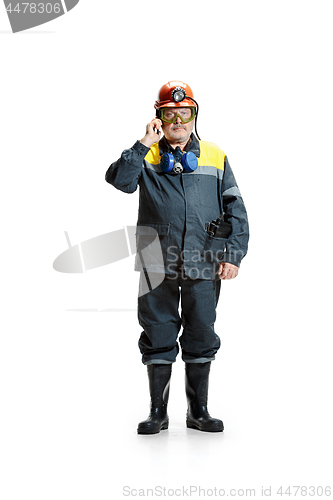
179, 207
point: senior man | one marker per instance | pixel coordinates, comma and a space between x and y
189, 196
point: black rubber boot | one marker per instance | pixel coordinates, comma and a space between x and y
159, 381
196, 380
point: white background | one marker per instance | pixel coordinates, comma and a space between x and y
74, 94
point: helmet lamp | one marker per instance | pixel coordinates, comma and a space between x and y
178, 94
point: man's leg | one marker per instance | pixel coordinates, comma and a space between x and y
158, 315
199, 341
199, 345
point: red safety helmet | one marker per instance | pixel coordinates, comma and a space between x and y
175, 94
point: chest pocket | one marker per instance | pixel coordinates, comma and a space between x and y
208, 192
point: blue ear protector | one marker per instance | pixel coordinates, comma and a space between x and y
188, 161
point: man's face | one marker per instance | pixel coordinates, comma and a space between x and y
177, 132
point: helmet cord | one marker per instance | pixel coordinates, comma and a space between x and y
196, 116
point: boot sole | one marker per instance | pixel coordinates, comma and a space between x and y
213, 428
142, 430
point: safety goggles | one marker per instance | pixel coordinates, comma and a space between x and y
170, 115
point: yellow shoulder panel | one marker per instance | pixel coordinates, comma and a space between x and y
153, 156
211, 154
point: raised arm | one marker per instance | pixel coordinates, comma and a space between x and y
124, 174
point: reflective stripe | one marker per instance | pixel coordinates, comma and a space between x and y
156, 167
234, 191
207, 170
202, 170
199, 360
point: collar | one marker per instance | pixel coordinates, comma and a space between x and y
192, 145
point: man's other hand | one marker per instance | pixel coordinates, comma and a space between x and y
151, 133
227, 271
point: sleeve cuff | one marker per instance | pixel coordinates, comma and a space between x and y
141, 148
232, 258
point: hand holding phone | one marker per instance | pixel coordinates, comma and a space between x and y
153, 132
